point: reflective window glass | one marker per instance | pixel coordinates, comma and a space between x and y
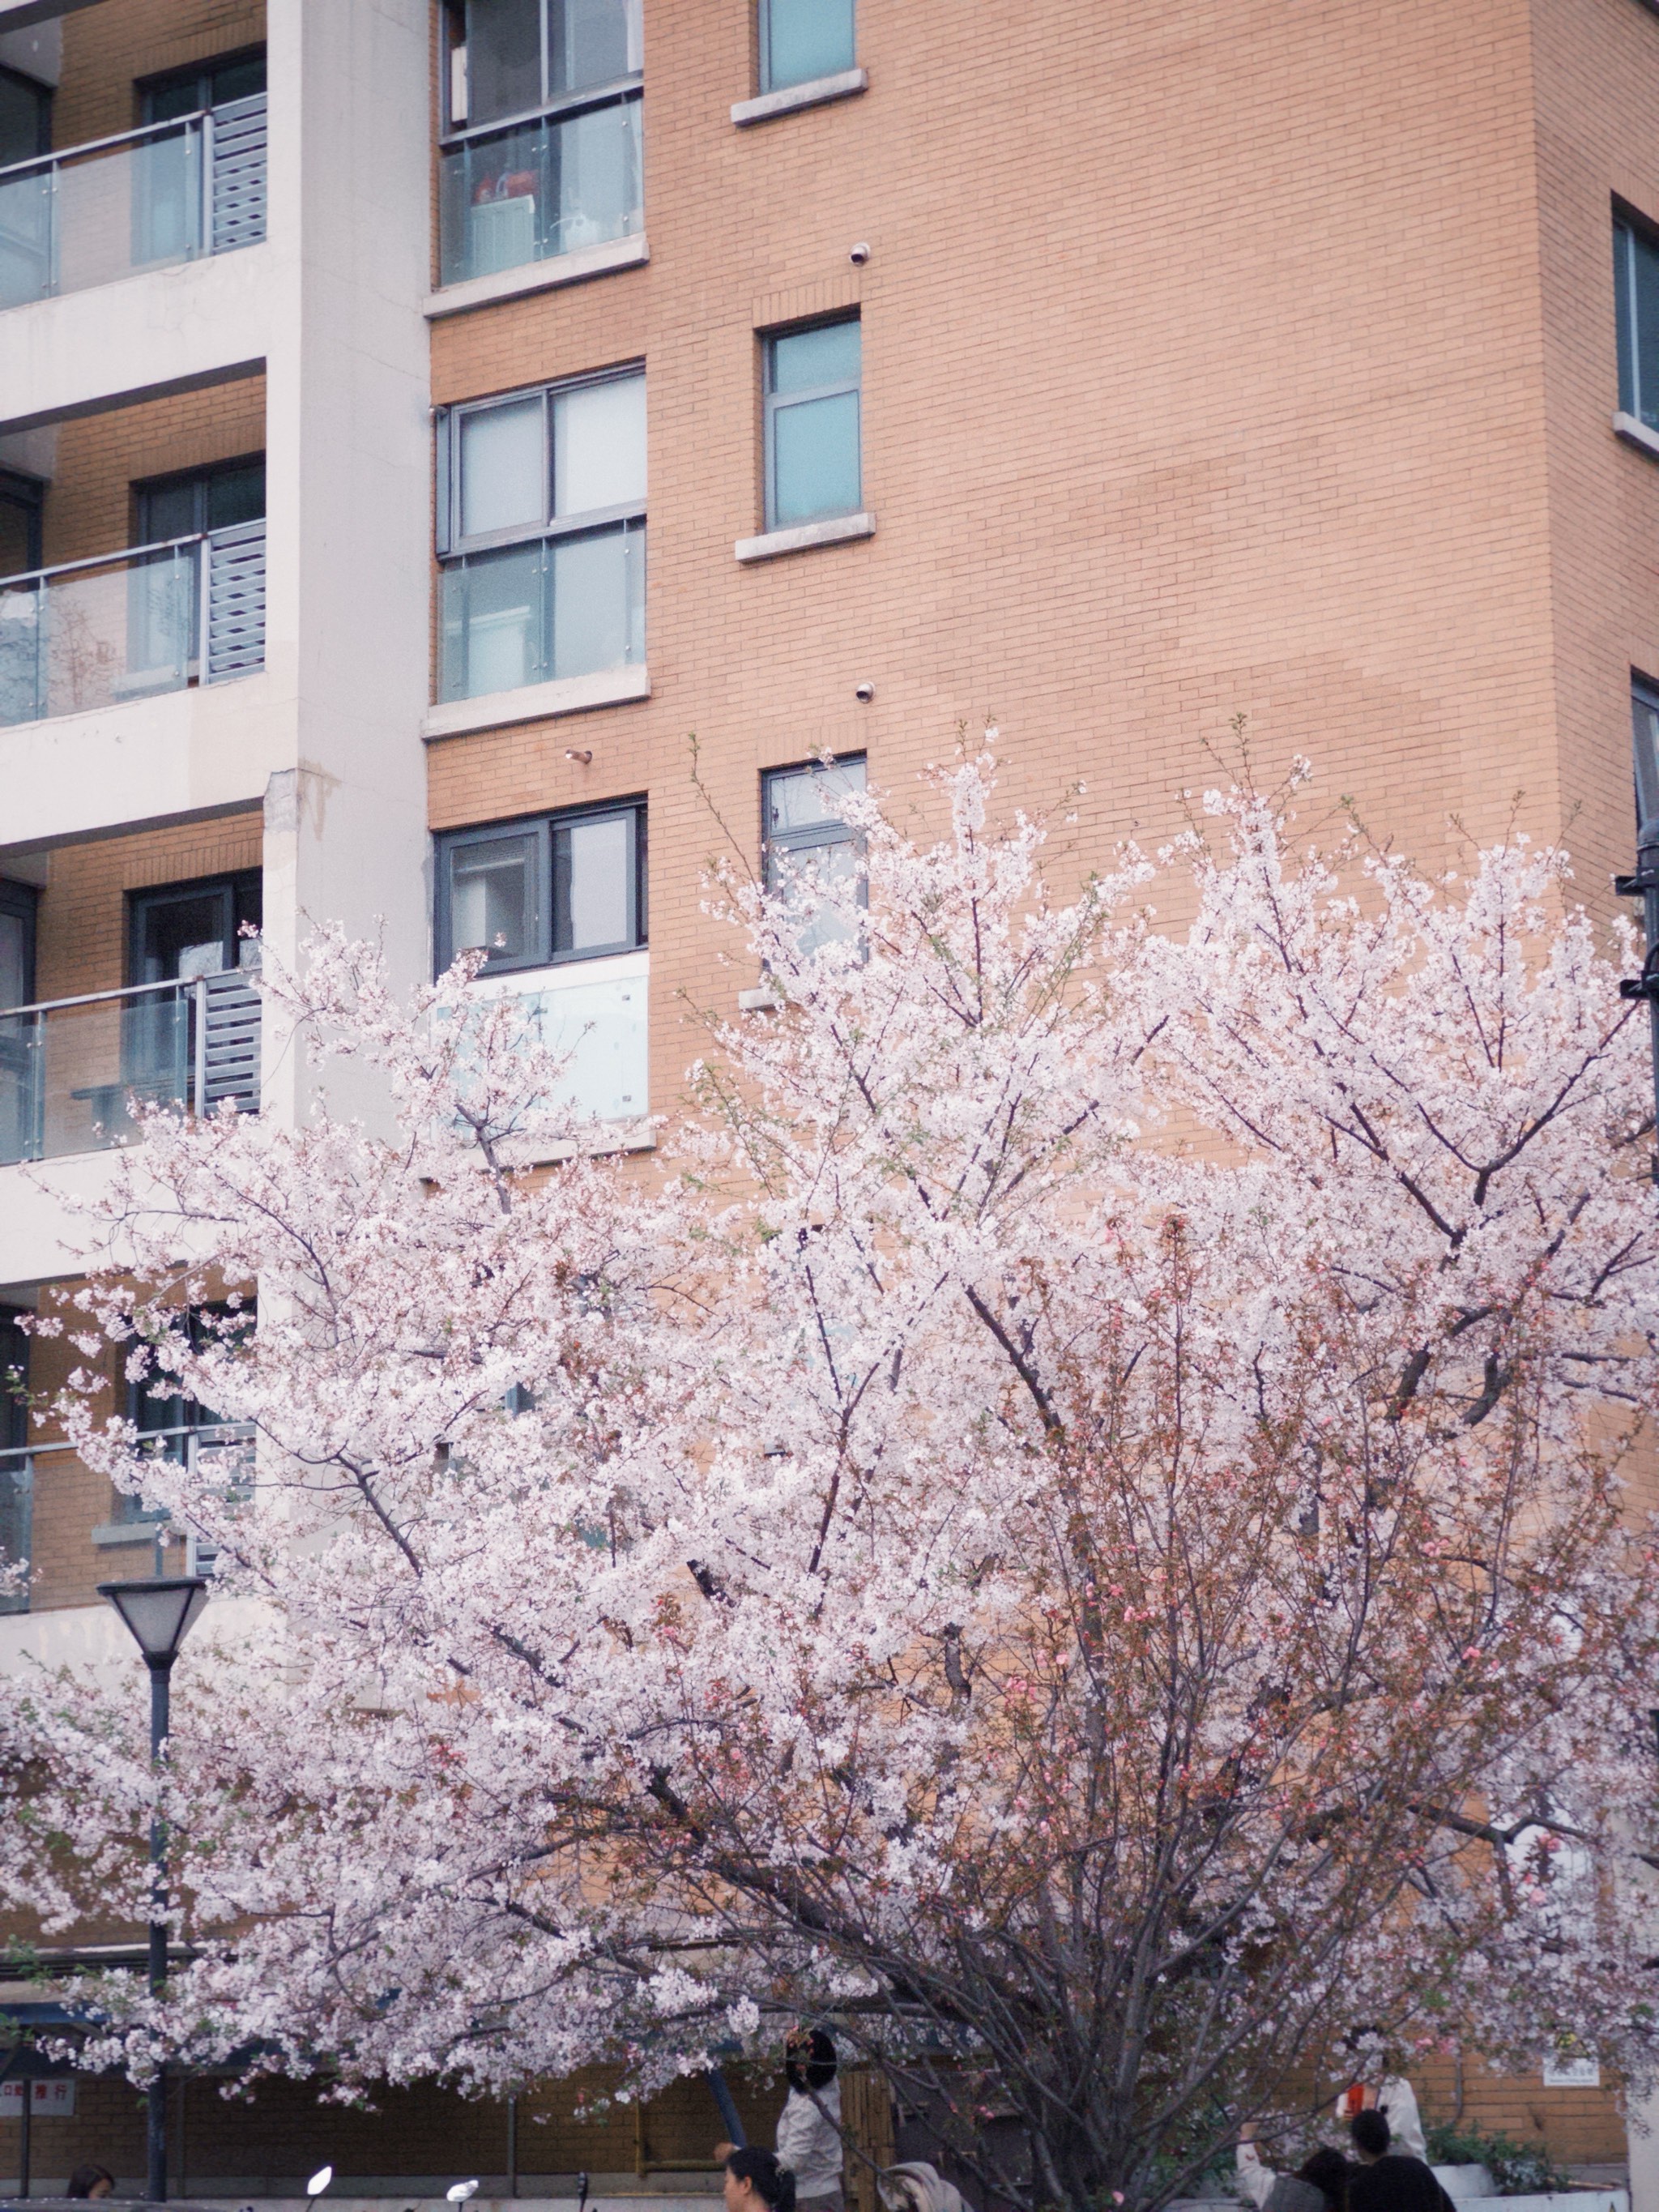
801, 40
812, 424
503, 59
809, 360
503, 483
590, 42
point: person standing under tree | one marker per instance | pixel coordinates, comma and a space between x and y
1390, 2181
809, 2126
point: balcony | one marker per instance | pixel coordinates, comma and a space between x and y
593, 1014
555, 609
96, 633
72, 1070
146, 199
539, 188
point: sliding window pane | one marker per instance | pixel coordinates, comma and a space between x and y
503, 59
592, 42
598, 446
504, 475
593, 885
494, 902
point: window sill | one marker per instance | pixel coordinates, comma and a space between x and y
112, 1533
1636, 433
817, 92
538, 277
536, 703
764, 998
835, 531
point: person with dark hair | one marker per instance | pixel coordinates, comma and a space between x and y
757, 2181
1390, 2181
1319, 2183
809, 2126
91, 2181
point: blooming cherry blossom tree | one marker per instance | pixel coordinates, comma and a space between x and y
1077, 1519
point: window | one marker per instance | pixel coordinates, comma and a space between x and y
1636, 285
169, 1425
804, 836
813, 381
22, 503
1644, 720
564, 172
18, 902
541, 512
204, 84
25, 118
800, 39
16, 1468
203, 500
192, 929
531, 894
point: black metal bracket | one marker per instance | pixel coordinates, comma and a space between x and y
1638, 885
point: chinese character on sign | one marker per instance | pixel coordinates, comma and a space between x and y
1563, 2072
48, 2100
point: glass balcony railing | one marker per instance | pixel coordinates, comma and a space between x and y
96, 633
72, 1070
560, 606
524, 192
171, 192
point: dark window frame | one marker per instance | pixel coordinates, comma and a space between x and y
772, 404
454, 133
23, 900
543, 828
239, 883
44, 95
765, 80
199, 480
452, 540
820, 837
19, 489
145, 89
1629, 225
1643, 694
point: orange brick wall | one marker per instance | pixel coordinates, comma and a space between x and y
89, 507
1205, 374
107, 49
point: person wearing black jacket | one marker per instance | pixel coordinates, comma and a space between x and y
1390, 2181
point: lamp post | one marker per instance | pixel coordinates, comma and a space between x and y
159, 1612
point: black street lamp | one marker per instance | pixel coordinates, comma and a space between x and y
160, 1613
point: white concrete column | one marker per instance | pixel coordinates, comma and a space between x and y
348, 474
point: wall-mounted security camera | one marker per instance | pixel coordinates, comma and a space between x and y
859, 254
864, 693
583, 755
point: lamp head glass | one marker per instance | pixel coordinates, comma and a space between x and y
160, 1613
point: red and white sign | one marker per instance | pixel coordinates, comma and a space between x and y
48, 2100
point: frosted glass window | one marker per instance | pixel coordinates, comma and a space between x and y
502, 470
493, 902
593, 884
599, 445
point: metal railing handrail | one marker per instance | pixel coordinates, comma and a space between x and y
108, 560
209, 1432
567, 103
99, 145
126, 991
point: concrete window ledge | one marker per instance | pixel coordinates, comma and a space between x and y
835, 531
815, 93
1636, 432
764, 998
111, 1533
536, 703
538, 277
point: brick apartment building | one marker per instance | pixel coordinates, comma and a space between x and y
1107, 369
